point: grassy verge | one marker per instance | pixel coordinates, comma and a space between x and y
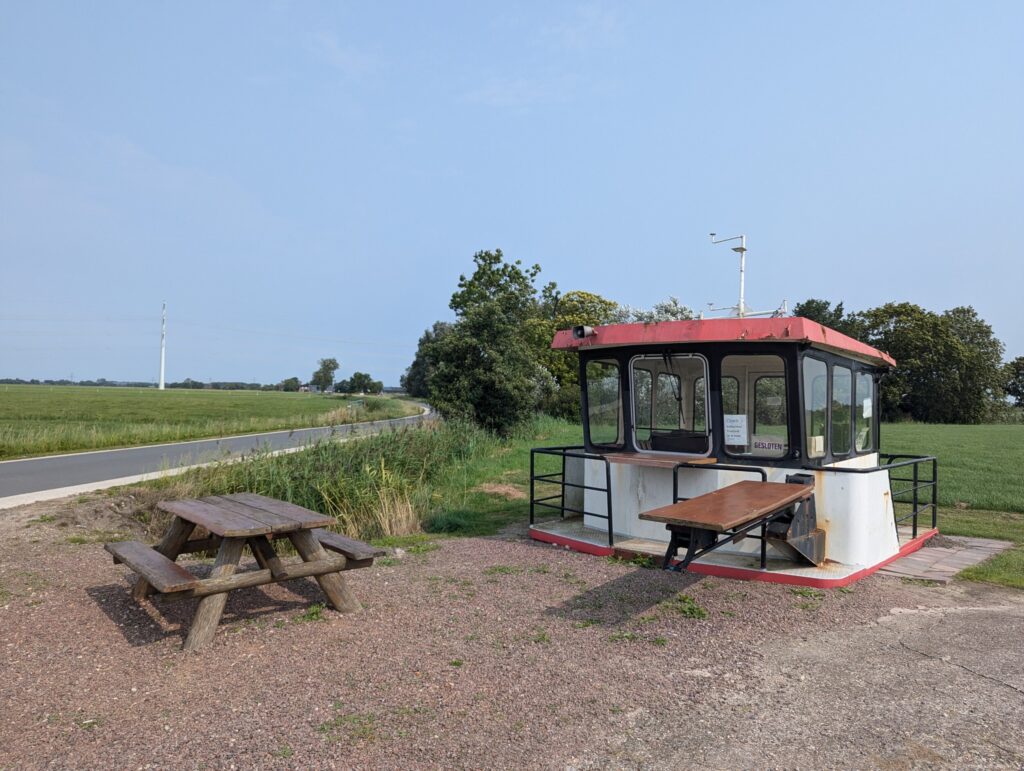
1007, 568
40, 420
395, 483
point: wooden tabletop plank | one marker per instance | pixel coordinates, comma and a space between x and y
276, 522
730, 506
655, 461
164, 574
307, 519
217, 520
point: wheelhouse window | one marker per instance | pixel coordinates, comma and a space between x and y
604, 416
755, 406
643, 382
815, 405
863, 410
842, 409
730, 400
669, 404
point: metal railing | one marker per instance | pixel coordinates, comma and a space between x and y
917, 483
714, 466
558, 478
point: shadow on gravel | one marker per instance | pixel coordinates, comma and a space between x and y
144, 623
624, 598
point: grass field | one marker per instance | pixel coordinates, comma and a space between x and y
39, 420
982, 466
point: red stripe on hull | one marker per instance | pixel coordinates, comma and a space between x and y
572, 543
746, 574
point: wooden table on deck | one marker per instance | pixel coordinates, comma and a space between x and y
235, 522
734, 511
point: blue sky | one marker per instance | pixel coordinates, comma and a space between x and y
300, 180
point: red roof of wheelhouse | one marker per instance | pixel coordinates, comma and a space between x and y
751, 330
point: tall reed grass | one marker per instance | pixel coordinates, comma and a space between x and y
382, 485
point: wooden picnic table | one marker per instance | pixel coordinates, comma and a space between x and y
233, 523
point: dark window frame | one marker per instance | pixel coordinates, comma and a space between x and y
585, 400
831, 360
786, 397
629, 359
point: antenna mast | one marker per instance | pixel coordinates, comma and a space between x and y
741, 307
163, 344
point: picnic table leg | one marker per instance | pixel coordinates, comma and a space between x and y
170, 546
211, 608
332, 584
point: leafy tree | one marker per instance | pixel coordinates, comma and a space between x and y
574, 308
343, 387
948, 366
361, 383
291, 384
485, 368
324, 376
416, 380
833, 318
1013, 372
980, 376
667, 310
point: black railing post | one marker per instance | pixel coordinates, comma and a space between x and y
533, 454
914, 531
935, 493
608, 495
562, 485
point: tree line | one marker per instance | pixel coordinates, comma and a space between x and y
949, 365
494, 365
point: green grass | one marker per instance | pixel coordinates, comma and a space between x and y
40, 420
1006, 568
978, 465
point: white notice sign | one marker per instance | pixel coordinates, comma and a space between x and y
867, 407
736, 430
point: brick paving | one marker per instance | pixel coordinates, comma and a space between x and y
942, 563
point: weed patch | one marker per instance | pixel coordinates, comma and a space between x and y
315, 612
502, 570
360, 726
685, 606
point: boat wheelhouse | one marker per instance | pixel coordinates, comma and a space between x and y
692, 430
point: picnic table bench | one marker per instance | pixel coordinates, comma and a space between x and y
710, 521
234, 522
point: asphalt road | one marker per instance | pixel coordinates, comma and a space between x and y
31, 475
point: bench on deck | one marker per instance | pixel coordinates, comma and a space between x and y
236, 522
733, 512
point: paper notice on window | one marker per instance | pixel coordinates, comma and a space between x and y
867, 408
736, 430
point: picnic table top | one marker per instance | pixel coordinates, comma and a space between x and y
245, 515
730, 506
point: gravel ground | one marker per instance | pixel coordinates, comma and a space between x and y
498, 653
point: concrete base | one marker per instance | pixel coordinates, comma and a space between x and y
572, 534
